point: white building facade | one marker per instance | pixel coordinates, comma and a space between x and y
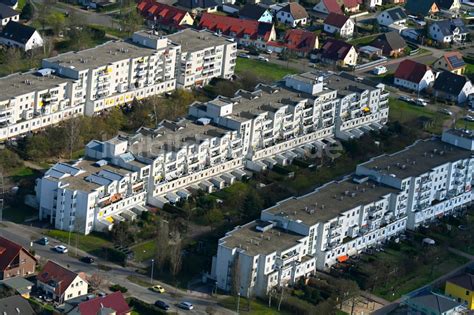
207, 151
388, 195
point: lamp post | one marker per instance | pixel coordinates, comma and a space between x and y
152, 265
238, 303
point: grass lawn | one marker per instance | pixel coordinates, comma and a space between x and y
110, 30
361, 41
91, 243
256, 307
261, 69
139, 281
144, 251
21, 4
397, 282
409, 113
19, 214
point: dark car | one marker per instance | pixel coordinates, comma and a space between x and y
43, 241
162, 305
87, 260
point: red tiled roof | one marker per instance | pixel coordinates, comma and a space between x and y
296, 10
336, 19
8, 251
235, 27
335, 6
300, 40
113, 301
62, 277
334, 49
410, 70
163, 13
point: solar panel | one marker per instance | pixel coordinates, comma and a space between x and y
456, 62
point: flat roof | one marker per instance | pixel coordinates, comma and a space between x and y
192, 40
88, 167
101, 55
173, 135
463, 133
23, 83
329, 201
254, 242
418, 158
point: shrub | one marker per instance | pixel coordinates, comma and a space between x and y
118, 287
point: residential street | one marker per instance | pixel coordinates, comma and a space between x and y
25, 236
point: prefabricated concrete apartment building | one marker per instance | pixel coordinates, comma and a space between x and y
387, 195
209, 149
114, 73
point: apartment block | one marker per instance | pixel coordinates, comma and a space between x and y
114, 73
117, 72
204, 56
34, 100
386, 196
208, 149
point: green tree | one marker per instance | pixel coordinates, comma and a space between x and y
214, 217
252, 206
131, 22
27, 12
57, 21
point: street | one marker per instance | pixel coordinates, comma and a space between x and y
26, 235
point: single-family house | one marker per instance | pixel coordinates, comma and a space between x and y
114, 302
245, 32
391, 43
297, 41
341, 7
198, 6
449, 6
11, 3
338, 53
15, 305
448, 31
163, 16
292, 14
256, 12
452, 87
395, 1
60, 283
7, 14
413, 75
461, 288
339, 24
433, 304
15, 260
20, 36
393, 18
372, 3
421, 7
451, 61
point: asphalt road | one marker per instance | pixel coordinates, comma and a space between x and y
26, 235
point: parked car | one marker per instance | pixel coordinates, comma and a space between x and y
421, 102
185, 306
379, 70
263, 58
269, 51
87, 260
468, 118
157, 288
162, 305
243, 56
60, 249
43, 241
446, 111
407, 99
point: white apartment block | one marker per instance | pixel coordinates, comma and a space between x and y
34, 100
208, 150
203, 59
114, 73
388, 195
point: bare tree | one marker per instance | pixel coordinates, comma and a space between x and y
175, 255
162, 245
95, 280
72, 129
235, 275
